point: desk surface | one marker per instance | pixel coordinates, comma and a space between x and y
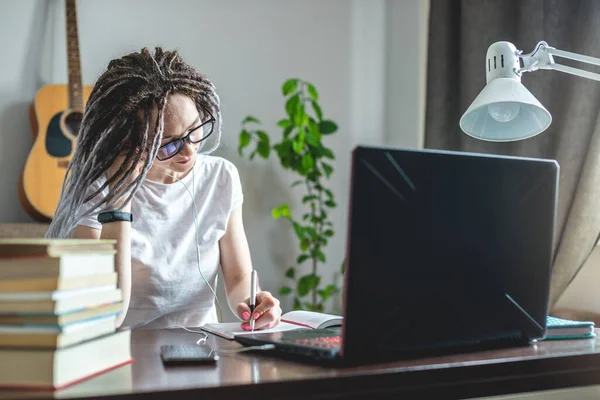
542, 366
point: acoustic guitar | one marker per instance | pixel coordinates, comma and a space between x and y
55, 115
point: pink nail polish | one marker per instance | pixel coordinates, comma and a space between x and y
246, 315
256, 315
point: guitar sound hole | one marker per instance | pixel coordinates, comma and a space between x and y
73, 122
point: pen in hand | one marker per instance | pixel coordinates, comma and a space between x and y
253, 278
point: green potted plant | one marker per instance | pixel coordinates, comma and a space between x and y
301, 150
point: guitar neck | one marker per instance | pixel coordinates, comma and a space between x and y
73, 62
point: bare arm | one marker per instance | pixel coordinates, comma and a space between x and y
121, 232
237, 266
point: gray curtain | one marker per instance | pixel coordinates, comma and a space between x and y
460, 31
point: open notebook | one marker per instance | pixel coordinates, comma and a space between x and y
289, 321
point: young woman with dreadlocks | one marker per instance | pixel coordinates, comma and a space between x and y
141, 173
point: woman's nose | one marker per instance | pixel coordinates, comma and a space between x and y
189, 148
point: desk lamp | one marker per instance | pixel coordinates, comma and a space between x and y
505, 110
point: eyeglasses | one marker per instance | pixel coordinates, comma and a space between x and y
196, 135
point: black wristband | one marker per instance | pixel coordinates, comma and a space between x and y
113, 216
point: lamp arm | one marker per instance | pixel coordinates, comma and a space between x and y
541, 58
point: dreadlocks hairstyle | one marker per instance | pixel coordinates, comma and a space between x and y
117, 120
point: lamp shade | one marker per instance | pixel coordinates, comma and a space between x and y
505, 111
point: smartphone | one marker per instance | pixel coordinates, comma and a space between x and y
187, 354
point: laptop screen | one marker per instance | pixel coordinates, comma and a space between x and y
446, 248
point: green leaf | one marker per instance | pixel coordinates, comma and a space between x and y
327, 127
312, 232
324, 295
327, 168
298, 144
250, 118
297, 304
329, 193
330, 203
313, 136
253, 154
307, 283
263, 148
289, 86
287, 131
299, 230
296, 183
317, 109
320, 256
327, 153
301, 258
330, 290
300, 117
313, 126
282, 211
284, 291
283, 149
290, 273
292, 105
244, 140
263, 136
307, 161
284, 123
309, 198
304, 244
312, 91
329, 233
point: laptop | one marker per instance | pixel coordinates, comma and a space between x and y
446, 251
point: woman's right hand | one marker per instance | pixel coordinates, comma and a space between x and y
114, 169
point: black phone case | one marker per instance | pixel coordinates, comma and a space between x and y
187, 355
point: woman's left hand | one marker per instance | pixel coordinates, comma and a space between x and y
267, 312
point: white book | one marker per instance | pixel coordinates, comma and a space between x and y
56, 336
49, 303
57, 368
292, 320
53, 294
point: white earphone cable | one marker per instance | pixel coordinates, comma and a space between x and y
195, 210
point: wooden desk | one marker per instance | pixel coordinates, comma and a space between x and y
543, 366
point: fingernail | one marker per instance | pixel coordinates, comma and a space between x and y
245, 327
246, 315
256, 315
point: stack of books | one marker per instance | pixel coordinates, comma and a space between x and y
58, 307
560, 328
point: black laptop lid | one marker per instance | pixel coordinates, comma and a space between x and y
446, 249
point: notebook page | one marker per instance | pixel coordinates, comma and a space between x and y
228, 330
311, 319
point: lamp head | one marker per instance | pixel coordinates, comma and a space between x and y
504, 110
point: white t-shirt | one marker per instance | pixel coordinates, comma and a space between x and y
166, 285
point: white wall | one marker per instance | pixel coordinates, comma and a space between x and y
364, 56
582, 293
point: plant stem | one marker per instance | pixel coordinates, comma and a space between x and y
313, 253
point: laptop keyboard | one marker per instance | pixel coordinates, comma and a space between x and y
327, 342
